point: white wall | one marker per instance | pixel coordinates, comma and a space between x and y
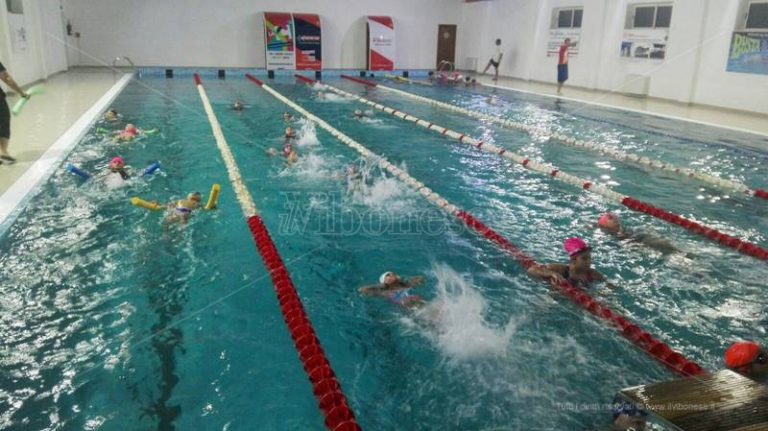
45, 53
693, 71
229, 33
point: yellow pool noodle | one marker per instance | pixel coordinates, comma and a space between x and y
152, 206
213, 197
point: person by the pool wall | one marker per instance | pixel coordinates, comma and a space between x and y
562, 64
5, 115
495, 61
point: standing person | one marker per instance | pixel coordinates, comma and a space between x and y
495, 61
562, 64
5, 115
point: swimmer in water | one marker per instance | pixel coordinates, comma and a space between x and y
287, 117
578, 271
395, 289
127, 134
354, 179
358, 114
181, 210
238, 105
111, 116
610, 224
117, 166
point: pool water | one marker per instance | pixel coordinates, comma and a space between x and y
112, 322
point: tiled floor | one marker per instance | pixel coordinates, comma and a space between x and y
739, 120
47, 116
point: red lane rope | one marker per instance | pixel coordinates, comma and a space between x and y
652, 346
713, 234
325, 386
359, 81
739, 245
304, 79
254, 79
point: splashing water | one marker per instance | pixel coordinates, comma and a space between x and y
456, 322
376, 190
312, 167
307, 134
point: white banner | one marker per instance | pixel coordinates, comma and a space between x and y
648, 43
381, 43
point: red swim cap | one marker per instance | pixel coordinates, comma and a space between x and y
605, 219
741, 353
574, 246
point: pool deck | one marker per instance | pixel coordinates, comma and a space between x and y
723, 401
742, 121
46, 117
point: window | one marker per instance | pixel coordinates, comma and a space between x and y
757, 17
650, 16
567, 18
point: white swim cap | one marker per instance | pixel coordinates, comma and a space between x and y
384, 276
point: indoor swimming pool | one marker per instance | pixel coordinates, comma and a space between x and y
113, 322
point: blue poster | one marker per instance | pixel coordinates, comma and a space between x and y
749, 53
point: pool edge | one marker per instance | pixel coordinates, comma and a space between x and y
15, 198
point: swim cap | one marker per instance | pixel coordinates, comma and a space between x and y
194, 196
574, 246
117, 161
384, 276
358, 112
741, 353
606, 218
131, 129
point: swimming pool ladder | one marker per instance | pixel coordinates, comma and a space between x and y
117, 59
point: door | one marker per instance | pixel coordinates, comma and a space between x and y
446, 43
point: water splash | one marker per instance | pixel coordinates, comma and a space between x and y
307, 134
456, 319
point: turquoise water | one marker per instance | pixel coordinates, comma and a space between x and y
111, 322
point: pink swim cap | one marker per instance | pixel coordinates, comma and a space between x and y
130, 129
574, 246
117, 161
606, 218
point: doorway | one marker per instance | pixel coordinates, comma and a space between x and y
446, 44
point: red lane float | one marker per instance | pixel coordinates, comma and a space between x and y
359, 81
713, 234
652, 346
325, 386
631, 203
304, 79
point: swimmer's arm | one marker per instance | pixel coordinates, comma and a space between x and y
374, 290
552, 271
599, 276
415, 281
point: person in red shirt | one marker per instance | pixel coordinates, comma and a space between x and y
562, 64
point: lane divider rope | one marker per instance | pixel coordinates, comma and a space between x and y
325, 386
629, 202
655, 348
567, 140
